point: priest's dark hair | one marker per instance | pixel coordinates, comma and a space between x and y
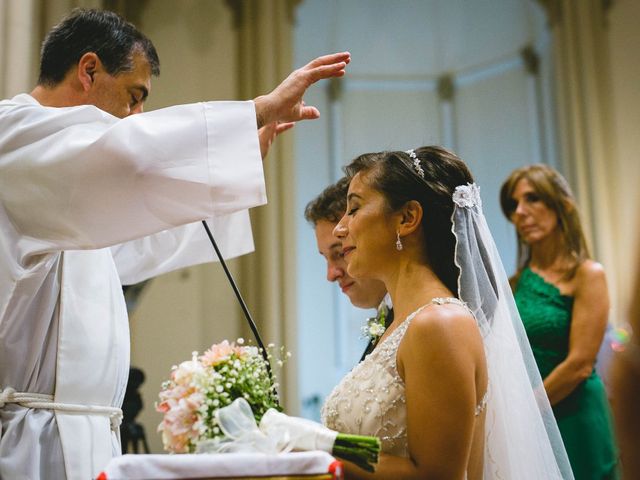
105, 33
330, 205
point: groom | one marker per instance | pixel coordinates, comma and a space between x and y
323, 213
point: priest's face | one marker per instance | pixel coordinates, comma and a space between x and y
363, 292
122, 94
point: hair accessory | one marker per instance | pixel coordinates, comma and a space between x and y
398, 242
416, 162
467, 195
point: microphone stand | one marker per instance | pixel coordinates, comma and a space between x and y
243, 305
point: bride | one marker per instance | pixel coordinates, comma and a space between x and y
451, 388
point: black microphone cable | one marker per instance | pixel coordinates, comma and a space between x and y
243, 305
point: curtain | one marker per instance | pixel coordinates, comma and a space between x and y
587, 147
264, 29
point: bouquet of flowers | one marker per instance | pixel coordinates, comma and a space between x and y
206, 383
215, 402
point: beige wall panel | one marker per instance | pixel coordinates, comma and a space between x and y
475, 33
19, 46
389, 119
492, 124
165, 329
196, 43
624, 48
418, 37
397, 40
191, 309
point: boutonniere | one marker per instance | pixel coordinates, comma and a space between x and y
376, 326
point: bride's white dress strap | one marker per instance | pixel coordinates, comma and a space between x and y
436, 301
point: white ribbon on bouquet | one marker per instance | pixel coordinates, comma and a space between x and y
277, 433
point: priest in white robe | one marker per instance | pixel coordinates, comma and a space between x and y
93, 197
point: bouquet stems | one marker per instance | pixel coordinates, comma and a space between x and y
307, 435
358, 449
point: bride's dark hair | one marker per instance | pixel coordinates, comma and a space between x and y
395, 175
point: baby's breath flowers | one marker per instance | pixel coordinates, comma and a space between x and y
201, 386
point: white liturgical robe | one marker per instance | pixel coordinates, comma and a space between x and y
89, 202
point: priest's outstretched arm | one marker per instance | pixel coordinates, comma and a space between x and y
81, 178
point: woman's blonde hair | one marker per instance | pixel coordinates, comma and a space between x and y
555, 193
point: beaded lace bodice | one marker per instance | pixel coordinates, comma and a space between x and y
370, 400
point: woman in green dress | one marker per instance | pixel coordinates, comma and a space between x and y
562, 297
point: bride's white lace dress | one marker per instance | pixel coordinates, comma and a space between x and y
370, 400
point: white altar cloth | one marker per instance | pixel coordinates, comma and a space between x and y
224, 465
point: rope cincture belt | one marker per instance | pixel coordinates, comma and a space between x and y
42, 400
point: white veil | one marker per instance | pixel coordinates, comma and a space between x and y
522, 440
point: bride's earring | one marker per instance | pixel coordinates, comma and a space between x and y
398, 242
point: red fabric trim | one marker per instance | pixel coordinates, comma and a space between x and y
335, 468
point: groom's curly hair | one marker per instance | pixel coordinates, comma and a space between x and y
330, 205
393, 174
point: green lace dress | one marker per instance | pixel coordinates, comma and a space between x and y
583, 417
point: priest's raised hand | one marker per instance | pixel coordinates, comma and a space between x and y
285, 103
